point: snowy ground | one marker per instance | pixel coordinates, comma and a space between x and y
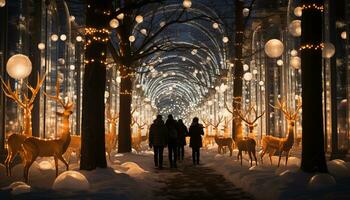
132, 176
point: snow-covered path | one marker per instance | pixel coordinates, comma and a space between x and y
198, 182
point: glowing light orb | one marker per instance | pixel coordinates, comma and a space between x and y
328, 50
143, 31
248, 76
245, 12
63, 37
293, 52
215, 25
187, 3
225, 39
114, 23
132, 38
344, 35
139, 19
295, 28
279, 62
274, 48
19, 66
298, 11
245, 67
120, 16
2, 3
79, 38
54, 37
295, 62
41, 46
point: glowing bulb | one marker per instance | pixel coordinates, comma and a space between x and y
114, 23
63, 37
54, 37
72, 67
245, 12
245, 67
71, 18
279, 62
261, 83
2, 3
293, 52
119, 79
41, 46
187, 3
19, 66
143, 31
225, 39
343, 35
120, 16
79, 38
248, 76
215, 25
139, 19
274, 48
132, 38
298, 11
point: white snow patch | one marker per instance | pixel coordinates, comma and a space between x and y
46, 165
133, 169
118, 155
71, 181
19, 189
321, 181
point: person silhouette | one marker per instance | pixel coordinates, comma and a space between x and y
183, 132
158, 139
171, 124
195, 133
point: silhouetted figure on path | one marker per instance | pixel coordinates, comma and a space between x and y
196, 132
158, 139
173, 137
183, 132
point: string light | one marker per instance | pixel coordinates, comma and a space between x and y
311, 46
312, 7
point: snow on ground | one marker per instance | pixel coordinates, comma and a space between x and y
286, 182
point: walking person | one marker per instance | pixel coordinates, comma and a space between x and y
172, 127
195, 133
158, 138
183, 132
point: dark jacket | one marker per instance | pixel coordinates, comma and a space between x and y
173, 132
183, 132
196, 132
158, 134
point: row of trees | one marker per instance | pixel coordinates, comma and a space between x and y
127, 56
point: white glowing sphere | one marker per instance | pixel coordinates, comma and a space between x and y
298, 11
293, 52
248, 76
215, 25
19, 66
143, 31
120, 16
183, 59
245, 67
79, 38
295, 28
295, 62
138, 85
71, 67
245, 12
54, 37
132, 38
119, 79
344, 35
187, 3
114, 23
225, 39
41, 46
71, 181
261, 83
274, 48
328, 50
63, 37
255, 71
72, 18
2, 3
139, 19
279, 62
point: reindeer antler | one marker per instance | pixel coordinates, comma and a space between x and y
35, 90
57, 96
14, 95
283, 107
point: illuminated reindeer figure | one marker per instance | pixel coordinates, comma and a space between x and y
15, 141
245, 117
225, 127
271, 144
111, 136
37, 147
207, 139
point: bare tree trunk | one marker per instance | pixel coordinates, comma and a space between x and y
238, 68
313, 155
93, 118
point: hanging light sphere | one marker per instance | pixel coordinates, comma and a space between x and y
187, 3
328, 50
139, 19
295, 28
248, 76
293, 52
79, 38
2, 3
54, 37
114, 23
343, 35
119, 79
225, 39
120, 16
261, 83
63, 37
245, 12
215, 25
143, 31
19, 66
274, 48
41, 46
132, 38
245, 67
298, 11
255, 71
72, 67
295, 62
279, 62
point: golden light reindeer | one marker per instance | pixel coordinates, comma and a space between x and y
15, 141
111, 136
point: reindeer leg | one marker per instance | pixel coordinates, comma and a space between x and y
231, 151
279, 159
256, 160
56, 164
251, 159
287, 155
262, 156
270, 155
7, 165
240, 153
60, 157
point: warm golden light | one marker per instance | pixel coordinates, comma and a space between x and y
274, 48
19, 66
